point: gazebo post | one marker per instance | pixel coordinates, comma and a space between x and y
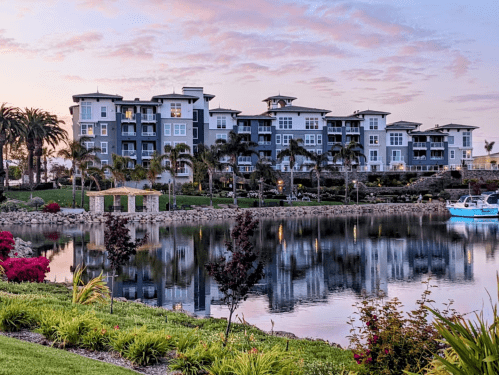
146, 203
116, 201
99, 204
154, 202
131, 204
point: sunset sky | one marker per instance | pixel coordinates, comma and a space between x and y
426, 61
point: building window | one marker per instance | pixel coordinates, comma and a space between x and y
168, 130
319, 139
222, 136
396, 156
309, 139
286, 138
311, 123
373, 140
89, 145
103, 129
103, 147
285, 123
166, 143
452, 154
319, 151
194, 133
129, 113
373, 155
86, 110
450, 139
195, 115
176, 110
467, 139
395, 139
221, 122
373, 124
278, 139
179, 130
103, 112
104, 163
87, 129
466, 154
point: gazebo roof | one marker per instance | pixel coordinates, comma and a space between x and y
122, 191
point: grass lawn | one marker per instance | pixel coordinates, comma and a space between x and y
64, 198
24, 358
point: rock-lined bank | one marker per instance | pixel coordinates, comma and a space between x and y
32, 218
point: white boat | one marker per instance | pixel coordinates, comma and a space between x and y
485, 205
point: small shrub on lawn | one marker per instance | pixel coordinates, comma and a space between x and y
98, 338
325, 368
71, 330
16, 315
186, 341
148, 348
26, 269
199, 357
49, 322
7, 244
274, 361
51, 208
36, 202
124, 339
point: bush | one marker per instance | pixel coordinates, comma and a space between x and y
10, 206
194, 360
72, 329
51, 208
148, 348
7, 244
16, 315
274, 361
36, 202
26, 269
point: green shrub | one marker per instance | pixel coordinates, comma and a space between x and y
71, 330
124, 339
325, 368
49, 322
16, 315
186, 341
36, 202
199, 357
274, 361
98, 338
148, 348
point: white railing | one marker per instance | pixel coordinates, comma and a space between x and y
244, 160
182, 172
246, 169
129, 153
419, 145
124, 118
128, 134
437, 145
264, 143
486, 167
148, 117
265, 129
244, 129
334, 130
375, 159
225, 159
419, 158
397, 159
436, 158
148, 153
148, 134
353, 130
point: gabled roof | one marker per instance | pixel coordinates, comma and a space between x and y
174, 96
428, 132
294, 108
403, 125
125, 190
255, 117
224, 110
95, 95
209, 96
455, 126
371, 112
279, 97
346, 118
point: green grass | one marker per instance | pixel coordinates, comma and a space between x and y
130, 315
65, 199
25, 358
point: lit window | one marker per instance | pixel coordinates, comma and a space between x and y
176, 110
373, 140
103, 129
87, 129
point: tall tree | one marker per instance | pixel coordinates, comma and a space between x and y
488, 147
10, 129
119, 168
263, 172
237, 145
138, 174
295, 149
210, 159
86, 162
176, 157
155, 168
319, 165
348, 155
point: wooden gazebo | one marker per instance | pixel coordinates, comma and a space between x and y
151, 199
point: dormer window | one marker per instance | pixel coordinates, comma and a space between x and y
86, 110
176, 110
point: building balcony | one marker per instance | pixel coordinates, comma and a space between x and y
149, 134
265, 130
128, 134
182, 172
419, 157
244, 160
130, 153
334, 130
148, 117
264, 143
246, 168
397, 159
437, 145
419, 145
244, 130
436, 158
129, 118
147, 154
353, 130
375, 159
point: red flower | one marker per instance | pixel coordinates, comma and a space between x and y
116, 327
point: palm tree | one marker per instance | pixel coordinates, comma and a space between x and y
46, 154
319, 165
53, 135
10, 130
78, 154
348, 154
263, 172
488, 147
119, 169
237, 145
295, 149
86, 162
93, 173
138, 174
155, 168
210, 159
177, 157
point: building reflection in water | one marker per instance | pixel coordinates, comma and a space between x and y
306, 260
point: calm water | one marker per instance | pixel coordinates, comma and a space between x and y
316, 268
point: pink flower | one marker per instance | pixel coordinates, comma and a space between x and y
387, 351
116, 327
15, 254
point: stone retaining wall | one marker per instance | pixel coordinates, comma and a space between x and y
32, 218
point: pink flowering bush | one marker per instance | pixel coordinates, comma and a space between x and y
26, 269
51, 208
7, 244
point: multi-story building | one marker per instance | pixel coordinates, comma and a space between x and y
137, 129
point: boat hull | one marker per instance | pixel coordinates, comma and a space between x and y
474, 212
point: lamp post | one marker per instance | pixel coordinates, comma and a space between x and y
356, 185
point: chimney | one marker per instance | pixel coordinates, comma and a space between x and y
137, 99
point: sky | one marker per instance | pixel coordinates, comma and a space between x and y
433, 62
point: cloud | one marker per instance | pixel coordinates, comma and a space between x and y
77, 43
10, 45
460, 65
140, 48
489, 97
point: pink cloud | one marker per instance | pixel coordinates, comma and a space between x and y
489, 97
460, 65
140, 48
10, 45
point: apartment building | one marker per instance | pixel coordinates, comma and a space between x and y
139, 128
